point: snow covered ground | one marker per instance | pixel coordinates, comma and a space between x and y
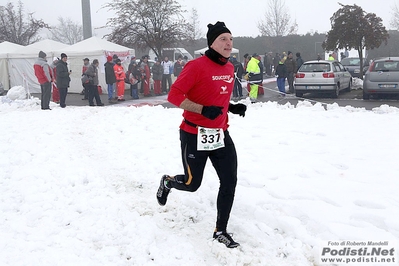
78, 185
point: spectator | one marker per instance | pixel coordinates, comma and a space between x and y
132, 64
120, 80
110, 78
157, 72
284, 56
178, 67
206, 102
299, 61
260, 84
276, 61
185, 60
44, 77
92, 73
56, 93
281, 74
134, 79
114, 58
268, 63
246, 60
290, 63
254, 75
63, 78
167, 71
334, 54
146, 75
238, 72
346, 52
86, 64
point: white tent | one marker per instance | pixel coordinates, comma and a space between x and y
92, 48
5, 49
20, 63
48, 45
200, 52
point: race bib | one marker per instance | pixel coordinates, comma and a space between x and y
209, 139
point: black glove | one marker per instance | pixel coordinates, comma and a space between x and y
212, 111
238, 109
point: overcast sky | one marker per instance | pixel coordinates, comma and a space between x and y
241, 17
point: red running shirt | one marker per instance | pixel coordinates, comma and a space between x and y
207, 83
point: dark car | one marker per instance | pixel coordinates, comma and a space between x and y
382, 77
352, 64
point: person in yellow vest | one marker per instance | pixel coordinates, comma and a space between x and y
331, 58
284, 56
255, 77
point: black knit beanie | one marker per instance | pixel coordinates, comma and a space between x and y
215, 30
63, 55
42, 54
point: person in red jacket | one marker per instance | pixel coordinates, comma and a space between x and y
85, 92
56, 93
120, 79
44, 76
146, 75
203, 90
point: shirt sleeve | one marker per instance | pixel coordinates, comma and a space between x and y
183, 84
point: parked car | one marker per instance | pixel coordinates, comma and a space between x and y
322, 76
352, 64
382, 77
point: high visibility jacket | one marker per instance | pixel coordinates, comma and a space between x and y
254, 70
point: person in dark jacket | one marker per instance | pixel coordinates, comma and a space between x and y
92, 73
268, 62
238, 72
276, 60
134, 79
261, 91
43, 73
63, 78
157, 73
178, 67
299, 61
110, 78
281, 73
290, 63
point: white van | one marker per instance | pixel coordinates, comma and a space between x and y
172, 53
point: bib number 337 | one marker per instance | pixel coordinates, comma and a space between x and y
210, 139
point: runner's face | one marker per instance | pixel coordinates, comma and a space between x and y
223, 44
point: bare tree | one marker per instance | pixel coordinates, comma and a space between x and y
277, 20
66, 31
16, 28
196, 33
395, 18
153, 24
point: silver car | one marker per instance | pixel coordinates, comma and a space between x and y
322, 76
382, 77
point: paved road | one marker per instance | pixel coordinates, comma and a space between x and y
353, 98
